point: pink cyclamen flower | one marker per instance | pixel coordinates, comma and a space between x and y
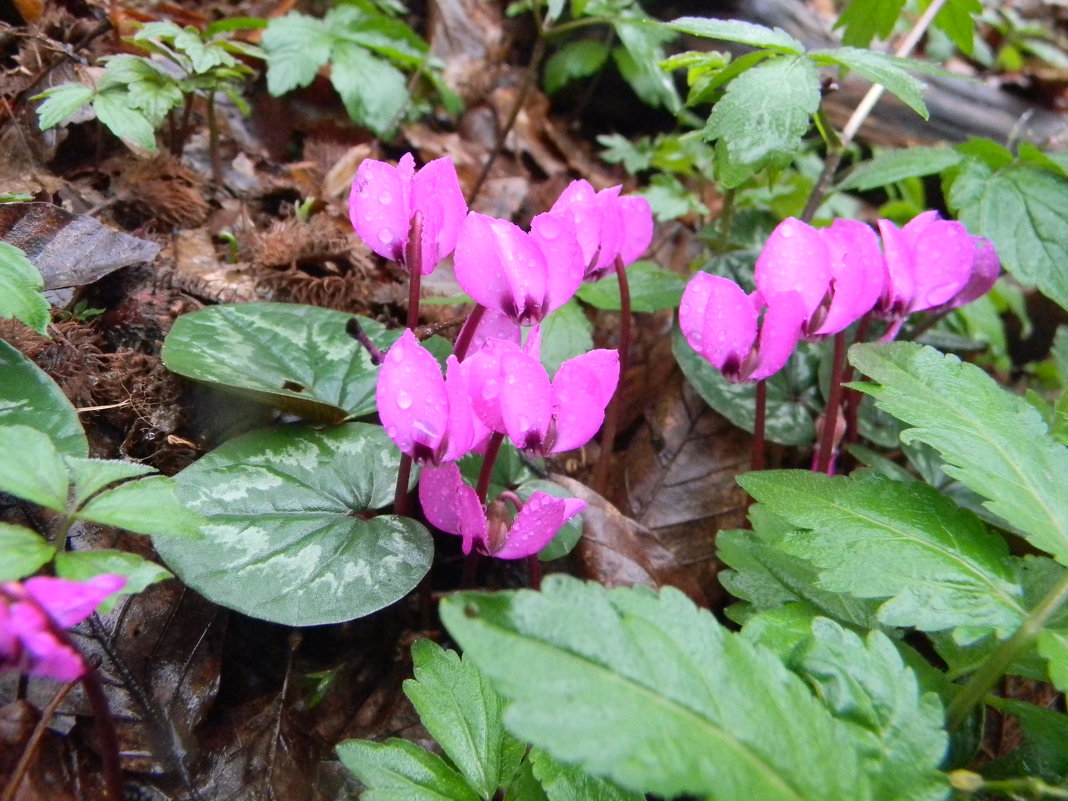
30, 612
525, 276
452, 506
608, 225
837, 271
385, 198
429, 417
511, 393
932, 264
724, 324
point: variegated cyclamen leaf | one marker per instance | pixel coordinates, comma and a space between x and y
295, 357
286, 539
29, 397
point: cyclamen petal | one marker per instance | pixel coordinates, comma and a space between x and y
537, 523
795, 259
526, 401
384, 199
71, 602
637, 221
581, 390
564, 266
780, 331
607, 225
985, 269
857, 274
943, 258
719, 321
452, 506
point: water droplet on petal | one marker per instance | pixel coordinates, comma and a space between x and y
511, 379
787, 233
404, 400
385, 198
396, 353
524, 424
490, 390
385, 236
392, 432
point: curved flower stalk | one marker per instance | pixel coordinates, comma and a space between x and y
429, 417
608, 226
385, 199
524, 276
452, 506
511, 394
724, 324
32, 611
932, 265
837, 271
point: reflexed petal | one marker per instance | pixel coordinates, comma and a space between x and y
436, 191
501, 267
378, 207
858, 273
611, 231
482, 372
578, 201
795, 259
554, 234
637, 227
536, 524
474, 527
985, 270
43, 654
492, 324
71, 602
900, 271
780, 331
581, 390
411, 398
438, 492
464, 427
944, 254
526, 401
718, 320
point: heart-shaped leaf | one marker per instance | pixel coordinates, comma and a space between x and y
29, 397
295, 357
286, 540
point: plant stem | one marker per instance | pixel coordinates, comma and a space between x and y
863, 109
534, 569
467, 333
400, 495
26, 757
615, 406
759, 414
492, 449
834, 400
413, 260
992, 669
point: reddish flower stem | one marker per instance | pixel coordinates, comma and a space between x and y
492, 449
759, 414
467, 332
834, 400
615, 406
534, 569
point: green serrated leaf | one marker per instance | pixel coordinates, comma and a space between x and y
955, 20
1053, 646
295, 357
872, 537
373, 90
24, 551
286, 539
61, 102
114, 110
20, 290
992, 441
32, 468
84, 565
639, 58
29, 397
1021, 210
879, 68
562, 782
1045, 752
296, 46
730, 30
652, 288
892, 166
92, 475
461, 711
565, 333
145, 506
791, 401
398, 770
865, 20
867, 683
391, 38
764, 113
575, 60
604, 679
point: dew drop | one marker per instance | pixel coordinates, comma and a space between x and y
396, 353
787, 233
524, 424
385, 198
490, 390
392, 432
404, 400
385, 236
511, 379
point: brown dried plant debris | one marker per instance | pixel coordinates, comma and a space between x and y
164, 191
296, 243
73, 357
